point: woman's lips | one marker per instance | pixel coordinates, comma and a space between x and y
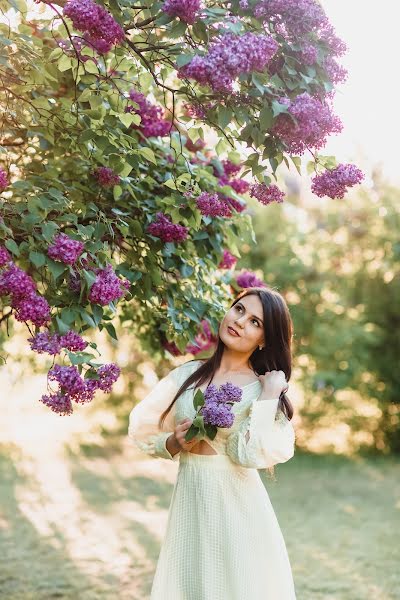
233, 332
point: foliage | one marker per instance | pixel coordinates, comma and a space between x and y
103, 137
339, 272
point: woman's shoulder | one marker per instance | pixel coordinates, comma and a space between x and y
186, 368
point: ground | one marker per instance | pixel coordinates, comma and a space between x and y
83, 519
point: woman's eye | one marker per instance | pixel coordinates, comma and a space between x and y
237, 307
256, 322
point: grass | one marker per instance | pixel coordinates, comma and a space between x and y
87, 524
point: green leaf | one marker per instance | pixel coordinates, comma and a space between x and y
224, 116
37, 258
55, 268
11, 245
64, 63
111, 331
62, 327
266, 117
191, 433
87, 318
198, 399
148, 154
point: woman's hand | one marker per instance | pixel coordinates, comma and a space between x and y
179, 435
274, 383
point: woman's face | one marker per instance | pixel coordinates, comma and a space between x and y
246, 318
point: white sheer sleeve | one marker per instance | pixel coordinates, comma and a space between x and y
143, 419
263, 438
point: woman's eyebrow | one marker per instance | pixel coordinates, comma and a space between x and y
255, 316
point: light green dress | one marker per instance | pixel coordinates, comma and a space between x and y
223, 541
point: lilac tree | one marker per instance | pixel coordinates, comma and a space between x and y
112, 208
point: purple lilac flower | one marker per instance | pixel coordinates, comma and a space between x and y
211, 205
328, 36
185, 10
231, 392
65, 249
298, 17
5, 256
32, 308
308, 54
167, 231
238, 206
230, 168
107, 287
266, 193
217, 414
15, 282
336, 73
106, 176
3, 180
313, 122
229, 56
68, 378
108, 376
101, 29
204, 340
152, 122
58, 402
227, 261
334, 182
45, 342
247, 279
72, 341
213, 394
239, 185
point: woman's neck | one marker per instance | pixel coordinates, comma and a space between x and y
234, 362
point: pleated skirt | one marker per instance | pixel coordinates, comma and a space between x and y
223, 540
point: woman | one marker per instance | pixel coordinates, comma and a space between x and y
223, 541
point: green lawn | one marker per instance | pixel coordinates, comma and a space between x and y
87, 525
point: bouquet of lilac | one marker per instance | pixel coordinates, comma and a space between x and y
213, 410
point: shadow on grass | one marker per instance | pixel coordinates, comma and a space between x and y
34, 567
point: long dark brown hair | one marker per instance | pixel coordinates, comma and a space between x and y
276, 354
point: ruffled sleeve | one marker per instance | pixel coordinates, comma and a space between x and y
143, 419
271, 437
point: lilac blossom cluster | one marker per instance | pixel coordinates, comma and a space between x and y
65, 249
211, 205
3, 180
217, 408
53, 343
106, 176
5, 256
227, 261
308, 54
152, 122
204, 340
167, 231
107, 287
72, 387
248, 279
238, 206
229, 170
266, 193
297, 17
334, 182
336, 73
101, 31
186, 10
229, 56
28, 305
309, 122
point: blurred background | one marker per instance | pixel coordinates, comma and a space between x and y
83, 513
